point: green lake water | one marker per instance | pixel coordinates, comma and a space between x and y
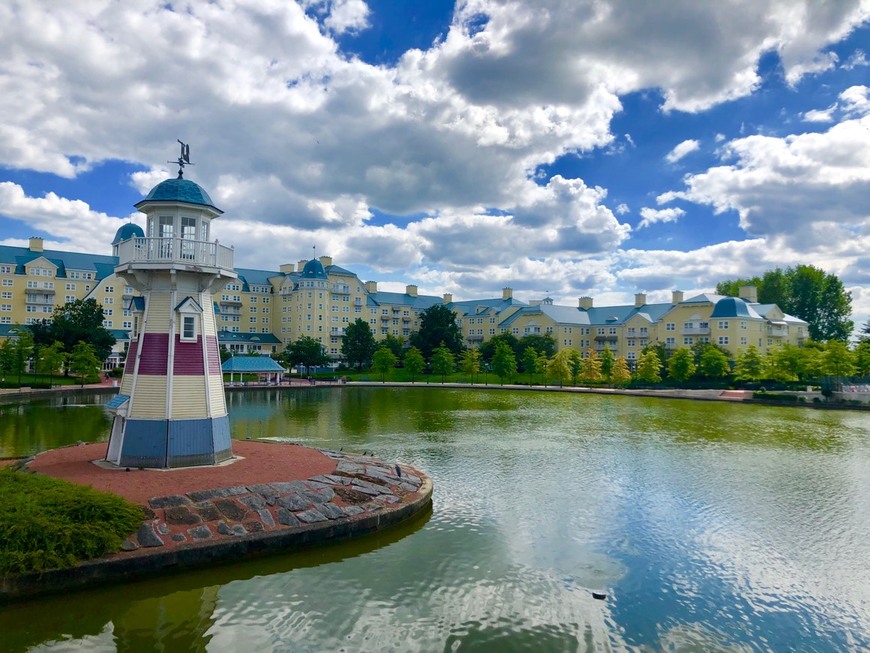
710, 526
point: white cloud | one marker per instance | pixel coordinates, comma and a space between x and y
681, 150
856, 100
652, 216
622, 209
856, 60
820, 115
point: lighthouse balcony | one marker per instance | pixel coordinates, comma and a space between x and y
179, 251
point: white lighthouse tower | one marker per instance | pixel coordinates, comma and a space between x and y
171, 411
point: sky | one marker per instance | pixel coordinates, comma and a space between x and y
560, 147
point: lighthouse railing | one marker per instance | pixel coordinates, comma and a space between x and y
175, 250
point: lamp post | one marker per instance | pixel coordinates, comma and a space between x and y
486, 373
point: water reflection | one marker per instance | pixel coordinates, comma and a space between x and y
711, 527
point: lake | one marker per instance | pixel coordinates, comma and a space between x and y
709, 526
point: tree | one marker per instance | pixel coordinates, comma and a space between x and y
543, 365
620, 375
530, 362
681, 366
862, 358
837, 360
22, 350
358, 344
713, 363
224, 353
395, 344
504, 362
749, 365
384, 360
607, 358
590, 370
50, 360
83, 362
542, 344
560, 366
414, 362
79, 320
806, 292
437, 327
649, 366
305, 351
576, 364
443, 362
487, 349
470, 362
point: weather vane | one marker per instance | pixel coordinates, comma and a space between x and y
183, 159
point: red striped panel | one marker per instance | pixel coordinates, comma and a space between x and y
214, 355
155, 353
188, 358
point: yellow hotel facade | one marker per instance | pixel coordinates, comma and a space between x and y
264, 310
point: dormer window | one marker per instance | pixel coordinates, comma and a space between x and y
189, 312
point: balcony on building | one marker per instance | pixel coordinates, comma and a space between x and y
777, 329
474, 337
230, 307
155, 252
702, 329
341, 289
39, 296
606, 338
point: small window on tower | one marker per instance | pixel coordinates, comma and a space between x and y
188, 327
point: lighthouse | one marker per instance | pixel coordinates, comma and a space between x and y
170, 411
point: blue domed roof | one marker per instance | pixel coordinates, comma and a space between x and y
313, 270
179, 190
127, 232
731, 307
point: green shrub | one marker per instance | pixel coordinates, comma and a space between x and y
46, 523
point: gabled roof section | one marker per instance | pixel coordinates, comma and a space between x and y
250, 277
703, 298
136, 304
189, 305
335, 269
12, 330
484, 306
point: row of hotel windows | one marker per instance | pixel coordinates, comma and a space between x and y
47, 272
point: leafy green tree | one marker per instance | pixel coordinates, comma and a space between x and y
470, 362
620, 375
358, 344
414, 362
576, 361
384, 360
305, 351
83, 362
607, 359
807, 292
443, 362
50, 360
395, 344
837, 360
437, 327
542, 344
543, 365
487, 349
79, 320
504, 362
681, 366
7, 358
781, 364
530, 362
749, 365
590, 370
648, 367
22, 350
713, 363
862, 358
559, 368
225, 353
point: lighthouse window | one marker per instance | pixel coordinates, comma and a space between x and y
188, 327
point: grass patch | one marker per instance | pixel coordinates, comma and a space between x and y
46, 523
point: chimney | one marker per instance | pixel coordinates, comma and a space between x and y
287, 268
534, 302
325, 261
301, 264
507, 293
371, 286
411, 290
448, 298
676, 296
749, 294
35, 244
639, 299
585, 303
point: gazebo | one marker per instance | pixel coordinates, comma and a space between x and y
262, 365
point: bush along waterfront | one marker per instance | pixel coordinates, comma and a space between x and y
47, 524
